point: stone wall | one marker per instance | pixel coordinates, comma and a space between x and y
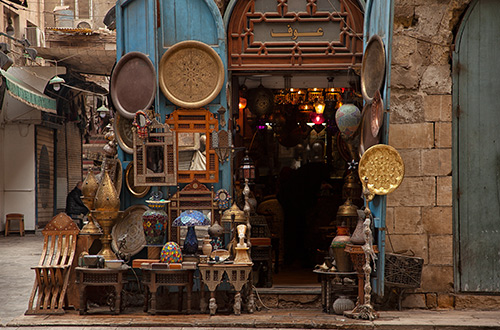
419, 213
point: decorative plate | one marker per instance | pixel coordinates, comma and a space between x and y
136, 191
124, 134
376, 114
373, 68
366, 138
383, 168
191, 74
130, 228
133, 84
260, 101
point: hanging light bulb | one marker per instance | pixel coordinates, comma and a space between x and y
103, 111
56, 81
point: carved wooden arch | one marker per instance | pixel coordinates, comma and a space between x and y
313, 44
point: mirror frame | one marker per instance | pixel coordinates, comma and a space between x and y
196, 121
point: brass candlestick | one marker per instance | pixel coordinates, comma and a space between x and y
89, 190
107, 204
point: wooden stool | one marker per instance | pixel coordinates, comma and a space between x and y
14, 216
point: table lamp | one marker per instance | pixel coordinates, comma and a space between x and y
190, 219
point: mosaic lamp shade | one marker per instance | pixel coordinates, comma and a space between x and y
191, 218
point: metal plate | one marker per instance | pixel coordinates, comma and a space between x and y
136, 191
373, 68
376, 114
383, 167
366, 138
131, 225
133, 84
123, 133
191, 74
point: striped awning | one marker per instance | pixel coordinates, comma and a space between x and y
25, 93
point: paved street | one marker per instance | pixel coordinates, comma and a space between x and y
18, 254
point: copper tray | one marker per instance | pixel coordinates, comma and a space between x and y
191, 74
373, 68
136, 191
376, 114
123, 133
133, 84
130, 224
366, 137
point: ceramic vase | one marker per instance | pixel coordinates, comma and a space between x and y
342, 260
154, 221
342, 304
207, 247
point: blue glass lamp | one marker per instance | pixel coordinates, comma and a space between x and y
190, 219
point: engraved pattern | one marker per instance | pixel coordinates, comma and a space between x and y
191, 74
383, 167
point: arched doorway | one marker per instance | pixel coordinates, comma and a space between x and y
476, 149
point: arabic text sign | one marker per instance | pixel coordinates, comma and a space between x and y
314, 31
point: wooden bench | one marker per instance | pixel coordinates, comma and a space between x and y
53, 269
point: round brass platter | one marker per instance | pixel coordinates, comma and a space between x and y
383, 167
137, 192
366, 139
123, 133
130, 224
372, 68
191, 74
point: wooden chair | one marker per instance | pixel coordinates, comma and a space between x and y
19, 217
53, 270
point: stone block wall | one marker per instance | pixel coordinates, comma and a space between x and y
419, 212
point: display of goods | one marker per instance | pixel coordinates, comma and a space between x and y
171, 253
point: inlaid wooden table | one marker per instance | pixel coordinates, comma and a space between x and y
101, 277
155, 278
237, 275
329, 289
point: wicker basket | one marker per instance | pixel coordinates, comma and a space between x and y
402, 270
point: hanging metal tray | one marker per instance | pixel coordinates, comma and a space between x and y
130, 228
366, 138
123, 133
133, 84
136, 191
373, 68
376, 114
191, 74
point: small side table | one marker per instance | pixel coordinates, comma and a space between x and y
155, 278
327, 287
116, 278
237, 276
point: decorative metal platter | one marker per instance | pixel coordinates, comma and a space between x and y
372, 68
124, 134
136, 191
366, 138
376, 114
191, 74
133, 84
130, 225
383, 167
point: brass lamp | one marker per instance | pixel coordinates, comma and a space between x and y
89, 190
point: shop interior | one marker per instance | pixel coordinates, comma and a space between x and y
286, 123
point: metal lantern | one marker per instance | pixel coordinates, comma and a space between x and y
247, 168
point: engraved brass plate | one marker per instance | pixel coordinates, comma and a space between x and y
136, 191
373, 68
383, 167
124, 134
191, 74
129, 227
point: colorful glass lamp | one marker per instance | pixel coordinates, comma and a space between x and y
190, 219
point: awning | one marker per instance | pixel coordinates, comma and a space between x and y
22, 91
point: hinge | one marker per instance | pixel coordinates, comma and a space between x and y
458, 111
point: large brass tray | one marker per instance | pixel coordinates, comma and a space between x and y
372, 68
130, 224
383, 168
191, 74
123, 133
136, 191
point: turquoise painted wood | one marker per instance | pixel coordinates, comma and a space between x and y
379, 16
476, 149
151, 27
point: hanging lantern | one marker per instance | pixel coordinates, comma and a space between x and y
247, 168
317, 118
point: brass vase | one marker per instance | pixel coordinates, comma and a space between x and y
107, 204
89, 190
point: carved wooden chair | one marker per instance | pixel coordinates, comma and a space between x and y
53, 269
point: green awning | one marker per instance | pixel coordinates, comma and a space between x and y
25, 93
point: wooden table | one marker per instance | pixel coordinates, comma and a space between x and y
236, 275
100, 277
329, 289
155, 278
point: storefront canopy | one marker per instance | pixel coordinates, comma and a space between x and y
26, 93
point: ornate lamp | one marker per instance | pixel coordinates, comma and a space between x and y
247, 169
190, 219
89, 190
